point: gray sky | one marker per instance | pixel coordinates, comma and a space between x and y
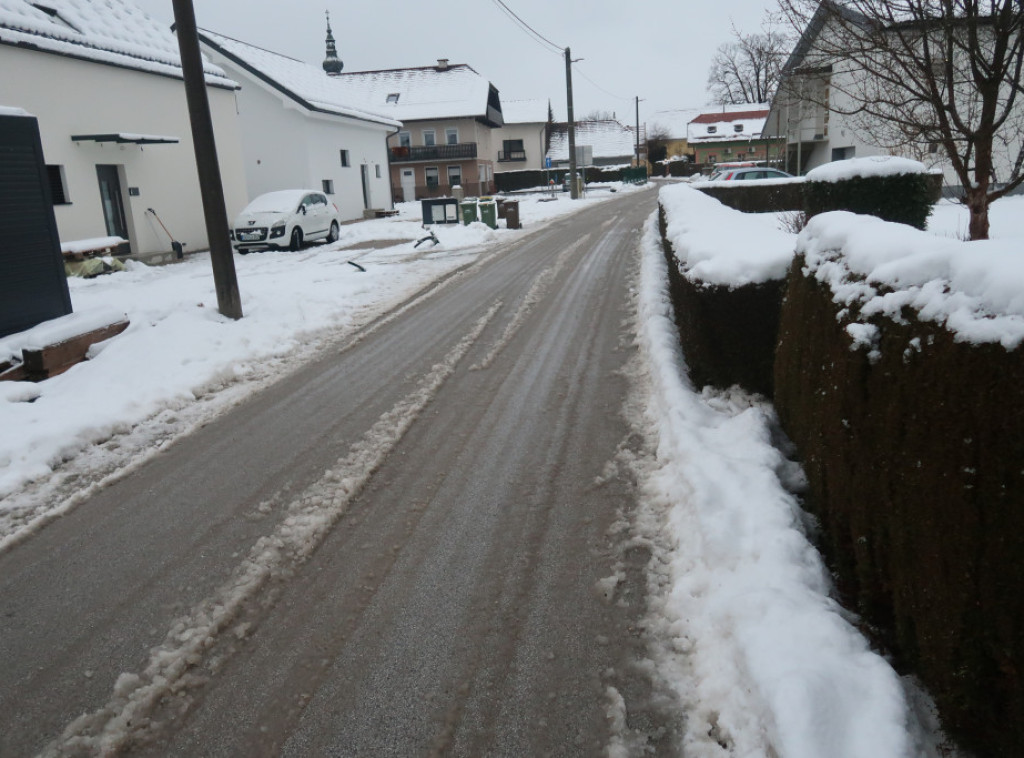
658, 50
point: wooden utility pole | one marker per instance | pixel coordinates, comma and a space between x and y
574, 192
229, 301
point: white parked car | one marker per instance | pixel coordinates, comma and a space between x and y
285, 219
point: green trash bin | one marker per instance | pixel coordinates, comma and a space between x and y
489, 213
468, 211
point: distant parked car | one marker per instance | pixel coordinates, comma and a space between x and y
750, 172
285, 219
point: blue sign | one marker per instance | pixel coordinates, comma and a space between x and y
547, 161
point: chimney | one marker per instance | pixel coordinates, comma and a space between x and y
442, 64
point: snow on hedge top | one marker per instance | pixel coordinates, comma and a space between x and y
113, 31
974, 289
874, 165
721, 246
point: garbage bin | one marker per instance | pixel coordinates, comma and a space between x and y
501, 207
489, 213
512, 215
468, 211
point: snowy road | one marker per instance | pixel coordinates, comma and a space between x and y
409, 547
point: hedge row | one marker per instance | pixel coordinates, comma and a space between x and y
512, 181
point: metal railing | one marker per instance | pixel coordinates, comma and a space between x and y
511, 155
461, 151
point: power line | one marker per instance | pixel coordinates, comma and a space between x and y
610, 94
540, 38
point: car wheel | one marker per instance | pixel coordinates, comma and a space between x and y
296, 239
334, 233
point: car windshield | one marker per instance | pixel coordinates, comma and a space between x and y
275, 202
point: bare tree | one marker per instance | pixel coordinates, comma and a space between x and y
746, 70
599, 115
925, 76
657, 143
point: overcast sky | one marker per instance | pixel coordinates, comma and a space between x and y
658, 50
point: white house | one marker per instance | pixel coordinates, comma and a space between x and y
522, 143
305, 127
105, 82
613, 144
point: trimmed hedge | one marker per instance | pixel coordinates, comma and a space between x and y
512, 181
728, 335
914, 464
757, 198
903, 198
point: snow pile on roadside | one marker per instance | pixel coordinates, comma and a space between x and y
764, 661
872, 165
975, 289
718, 245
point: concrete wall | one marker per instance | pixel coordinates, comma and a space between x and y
533, 137
71, 97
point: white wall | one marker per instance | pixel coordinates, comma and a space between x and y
287, 147
532, 136
70, 96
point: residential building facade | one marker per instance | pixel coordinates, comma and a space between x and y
523, 142
733, 133
304, 127
105, 83
611, 143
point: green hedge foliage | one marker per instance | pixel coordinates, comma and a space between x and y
903, 198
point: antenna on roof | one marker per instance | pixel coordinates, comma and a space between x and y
332, 65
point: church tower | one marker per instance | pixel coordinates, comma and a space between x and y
332, 65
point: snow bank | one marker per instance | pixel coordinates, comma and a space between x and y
874, 165
763, 659
974, 289
718, 245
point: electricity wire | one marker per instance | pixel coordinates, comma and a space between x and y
540, 38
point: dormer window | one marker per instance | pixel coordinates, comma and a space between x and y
54, 14
712, 129
393, 97
737, 128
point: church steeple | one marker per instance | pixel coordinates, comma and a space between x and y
332, 65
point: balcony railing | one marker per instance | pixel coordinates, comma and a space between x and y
461, 151
511, 155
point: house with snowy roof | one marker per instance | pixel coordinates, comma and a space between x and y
732, 133
671, 129
522, 143
612, 143
304, 126
448, 112
105, 82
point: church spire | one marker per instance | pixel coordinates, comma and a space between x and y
332, 65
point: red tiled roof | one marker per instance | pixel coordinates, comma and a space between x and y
717, 118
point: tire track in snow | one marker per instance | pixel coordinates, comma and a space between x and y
173, 666
539, 288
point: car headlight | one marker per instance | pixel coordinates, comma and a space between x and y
277, 231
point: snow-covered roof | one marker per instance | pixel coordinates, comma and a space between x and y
608, 137
305, 83
443, 91
731, 123
114, 32
526, 111
674, 122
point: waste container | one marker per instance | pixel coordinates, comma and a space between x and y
468, 211
501, 207
512, 215
489, 213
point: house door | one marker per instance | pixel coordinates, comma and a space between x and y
113, 205
365, 171
484, 187
408, 184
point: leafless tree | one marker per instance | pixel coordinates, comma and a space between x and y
926, 76
746, 70
657, 143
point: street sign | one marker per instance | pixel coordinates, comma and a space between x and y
547, 161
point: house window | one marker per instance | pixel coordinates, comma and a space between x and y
377, 169
512, 150
430, 172
328, 186
429, 137
393, 97
712, 129
727, 150
58, 185
737, 128
933, 147
344, 159
454, 176
404, 139
451, 136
